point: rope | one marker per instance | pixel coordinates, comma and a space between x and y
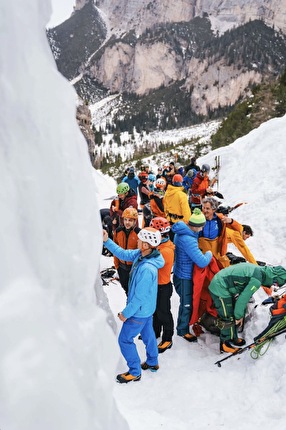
258, 349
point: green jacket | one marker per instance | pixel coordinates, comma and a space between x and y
240, 280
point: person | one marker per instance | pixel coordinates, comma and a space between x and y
137, 316
159, 172
126, 236
163, 319
106, 223
213, 236
157, 198
126, 197
151, 180
188, 180
231, 289
144, 193
169, 172
187, 253
192, 165
132, 180
238, 239
176, 204
201, 186
143, 188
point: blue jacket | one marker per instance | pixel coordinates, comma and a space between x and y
187, 181
212, 229
133, 182
143, 280
187, 251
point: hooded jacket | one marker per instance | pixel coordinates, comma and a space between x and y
236, 238
143, 280
187, 251
242, 279
176, 204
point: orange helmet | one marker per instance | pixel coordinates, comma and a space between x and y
130, 213
161, 224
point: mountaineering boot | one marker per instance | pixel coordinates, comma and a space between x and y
226, 346
124, 378
238, 342
190, 337
163, 346
146, 366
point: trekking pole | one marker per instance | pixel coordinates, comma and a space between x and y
252, 345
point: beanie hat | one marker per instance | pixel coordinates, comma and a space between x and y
190, 173
197, 218
177, 180
279, 275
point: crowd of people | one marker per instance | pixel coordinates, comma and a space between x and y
182, 242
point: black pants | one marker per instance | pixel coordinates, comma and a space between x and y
163, 318
123, 274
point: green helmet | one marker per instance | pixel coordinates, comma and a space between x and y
122, 188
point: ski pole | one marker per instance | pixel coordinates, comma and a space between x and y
252, 345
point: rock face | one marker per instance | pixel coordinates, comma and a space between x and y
138, 15
83, 116
208, 53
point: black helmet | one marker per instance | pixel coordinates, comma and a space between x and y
205, 168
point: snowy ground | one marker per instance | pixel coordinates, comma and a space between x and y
189, 390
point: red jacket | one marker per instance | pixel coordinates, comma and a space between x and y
130, 201
202, 301
199, 187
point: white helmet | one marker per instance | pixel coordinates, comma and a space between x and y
160, 183
150, 235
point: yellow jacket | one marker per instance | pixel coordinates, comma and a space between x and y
235, 237
176, 205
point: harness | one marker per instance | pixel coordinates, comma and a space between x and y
174, 216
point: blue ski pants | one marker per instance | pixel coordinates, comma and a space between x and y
130, 329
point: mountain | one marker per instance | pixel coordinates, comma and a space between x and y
175, 63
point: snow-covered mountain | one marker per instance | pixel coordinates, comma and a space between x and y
167, 60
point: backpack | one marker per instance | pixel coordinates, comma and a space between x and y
277, 316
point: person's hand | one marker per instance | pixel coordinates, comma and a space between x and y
121, 317
239, 322
226, 220
104, 235
113, 208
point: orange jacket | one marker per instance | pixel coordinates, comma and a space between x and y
167, 250
157, 205
126, 241
235, 237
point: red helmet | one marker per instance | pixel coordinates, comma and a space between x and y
143, 176
161, 224
177, 179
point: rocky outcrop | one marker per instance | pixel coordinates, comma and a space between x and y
138, 15
83, 116
139, 47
